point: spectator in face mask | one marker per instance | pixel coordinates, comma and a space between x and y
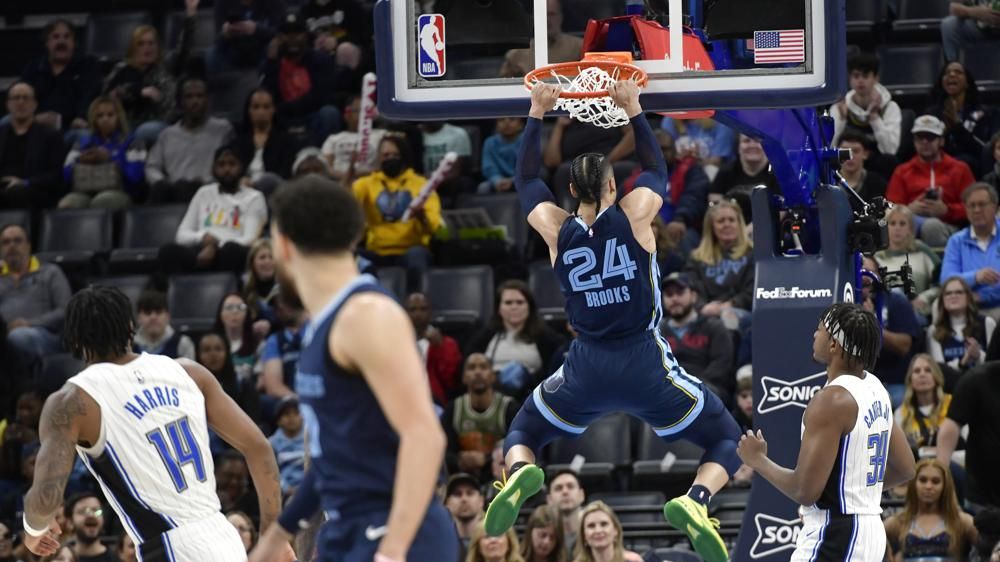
385, 195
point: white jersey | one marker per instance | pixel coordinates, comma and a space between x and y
152, 458
855, 483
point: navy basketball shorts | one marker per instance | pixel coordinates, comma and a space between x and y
356, 539
636, 375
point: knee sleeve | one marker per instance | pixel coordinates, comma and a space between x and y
717, 432
531, 430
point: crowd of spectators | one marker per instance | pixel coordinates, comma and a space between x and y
140, 132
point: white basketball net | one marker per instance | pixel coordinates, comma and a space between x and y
600, 111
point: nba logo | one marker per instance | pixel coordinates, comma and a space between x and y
430, 48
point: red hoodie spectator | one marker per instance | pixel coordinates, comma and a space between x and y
441, 352
931, 167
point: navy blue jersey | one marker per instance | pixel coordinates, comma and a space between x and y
611, 283
351, 444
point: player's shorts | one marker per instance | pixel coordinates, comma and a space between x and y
828, 537
637, 375
356, 538
213, 538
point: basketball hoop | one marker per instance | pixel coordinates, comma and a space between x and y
585, 84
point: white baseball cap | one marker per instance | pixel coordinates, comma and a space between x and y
928, 124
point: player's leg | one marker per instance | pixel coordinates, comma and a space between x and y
717, 432
678, 405
550, 412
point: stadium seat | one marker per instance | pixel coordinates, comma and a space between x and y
204, 30
649, 471
605, 446
864, 15
227, 93
504, 210
144, 230
19, 217
461, 297
394, 279
671, 555
908, 70
193, 300
56, 370
73, 237
634, 508
109, 34
131, 285
476, 143
983, 63
544, 285
919, 19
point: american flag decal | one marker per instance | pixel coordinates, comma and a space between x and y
770, 47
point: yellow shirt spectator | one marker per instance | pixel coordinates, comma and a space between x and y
384, 200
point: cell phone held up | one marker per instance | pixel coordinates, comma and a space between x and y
933, 194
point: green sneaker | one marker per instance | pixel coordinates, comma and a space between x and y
503, 510
691, 517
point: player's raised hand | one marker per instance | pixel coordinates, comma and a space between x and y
625, 93
543, 98
752, 448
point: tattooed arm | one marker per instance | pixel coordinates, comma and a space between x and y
69, 416
232, 423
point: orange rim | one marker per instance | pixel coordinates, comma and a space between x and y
608, 62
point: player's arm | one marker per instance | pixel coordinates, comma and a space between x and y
824, 421
396, 376
64, 415
641, 205
227, 419
537, 201
900, 466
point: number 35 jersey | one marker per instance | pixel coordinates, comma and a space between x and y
854, 486
152, 458
611, 284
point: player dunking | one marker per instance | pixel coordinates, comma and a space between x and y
850, 449
375, 444
605, 259
140, 424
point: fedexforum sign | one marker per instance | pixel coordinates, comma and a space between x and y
793, 293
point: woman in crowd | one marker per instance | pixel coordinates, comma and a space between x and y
669, 256
235, 319
263, 143
721, 268
106, 167
245, 527
213, 352
600, 536
931, 525
145, 84
960, 335
260, 285
126, 548
517, 341
955, 100
543, 537
925, 404
483, 548
905, 248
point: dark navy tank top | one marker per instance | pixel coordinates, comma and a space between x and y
611, 283
350, 442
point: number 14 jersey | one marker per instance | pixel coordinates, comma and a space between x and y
611, 284
854, 486
152, 458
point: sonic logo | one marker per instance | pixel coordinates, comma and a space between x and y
774, 535
780, 394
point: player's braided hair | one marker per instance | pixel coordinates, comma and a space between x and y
98, 324
856, 330
588, 173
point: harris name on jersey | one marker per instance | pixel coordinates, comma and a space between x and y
152, 398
